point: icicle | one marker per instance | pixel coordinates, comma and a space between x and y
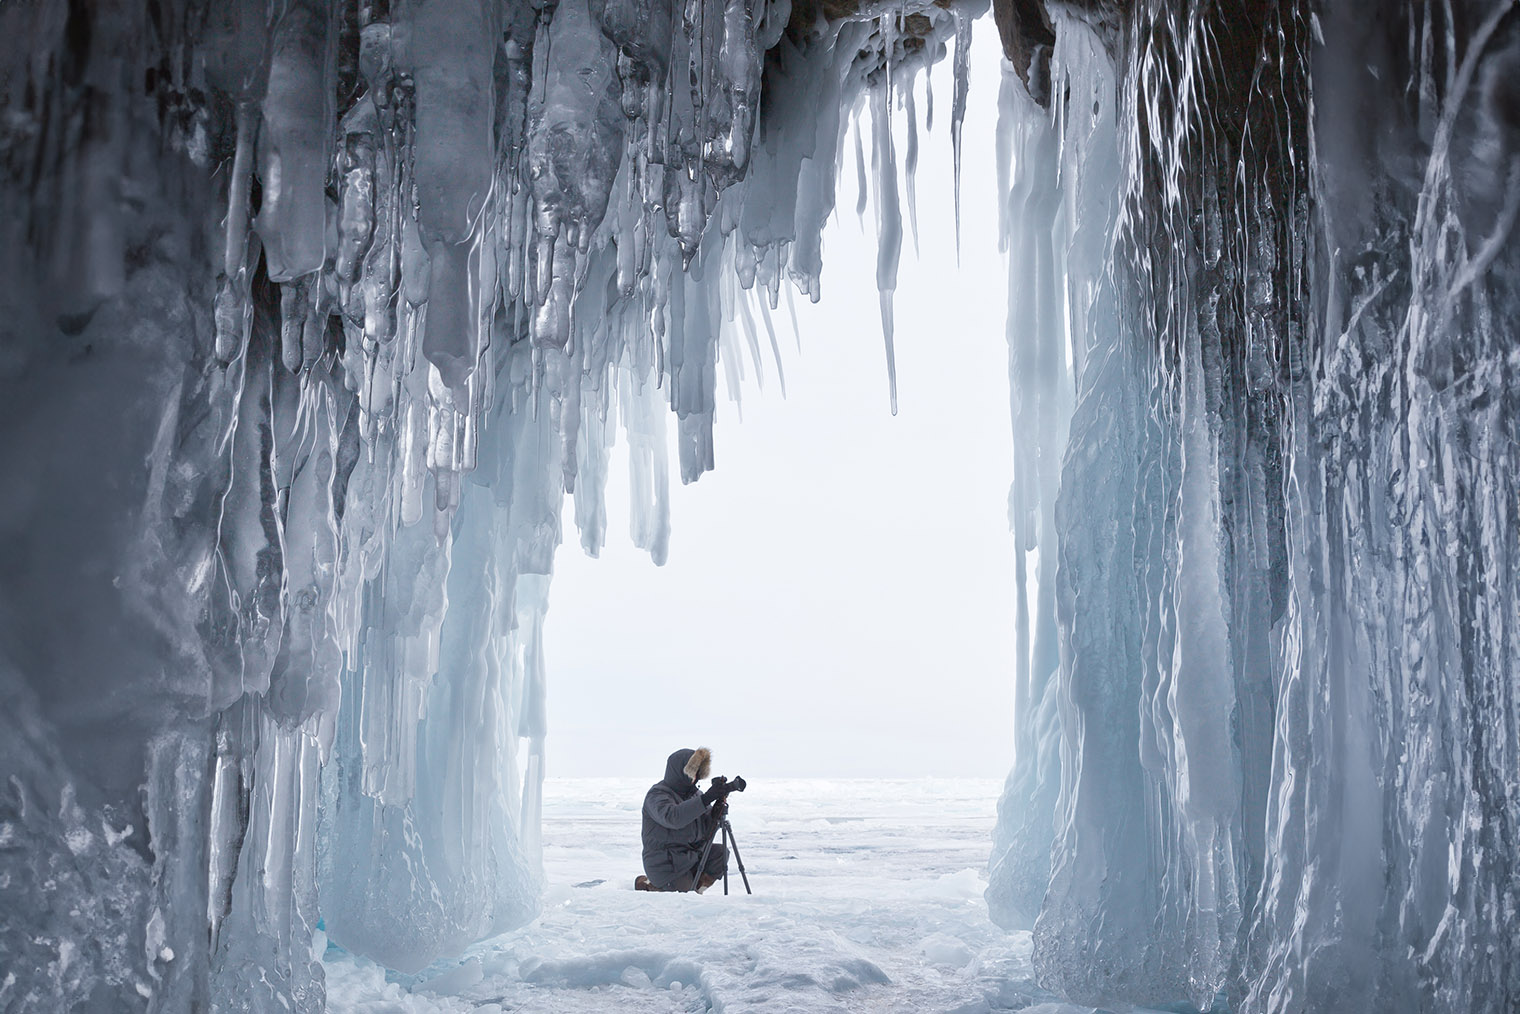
888, 221
232, 314
733, 368
575, 143
958, 105
1008, 116
453, 163
910, 162
752, 339
235, 251
770, 332
860, 175
791, 309
294, 312
413, 453
929, 100
738, 72
356, 222
644, 419
295, 141
314, 331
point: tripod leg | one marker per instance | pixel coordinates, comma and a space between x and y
733, 846
696, 874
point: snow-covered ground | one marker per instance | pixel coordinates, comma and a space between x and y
868, 897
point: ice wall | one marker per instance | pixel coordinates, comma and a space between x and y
310, 316
1286, 526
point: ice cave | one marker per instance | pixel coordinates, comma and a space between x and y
313, 314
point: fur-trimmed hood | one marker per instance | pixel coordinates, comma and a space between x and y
684, 768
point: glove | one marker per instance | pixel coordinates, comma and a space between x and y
717, 790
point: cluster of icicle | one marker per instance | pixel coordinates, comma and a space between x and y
334, 303
1263, 339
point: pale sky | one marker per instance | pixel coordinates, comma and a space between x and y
839, 595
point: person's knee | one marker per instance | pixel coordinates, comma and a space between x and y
718, 860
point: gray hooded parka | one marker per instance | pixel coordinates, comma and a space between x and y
676, 820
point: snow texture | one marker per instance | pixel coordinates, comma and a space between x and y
868, 897
311, 314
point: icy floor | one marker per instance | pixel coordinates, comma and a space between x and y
868, 897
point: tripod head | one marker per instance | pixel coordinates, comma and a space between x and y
722, 788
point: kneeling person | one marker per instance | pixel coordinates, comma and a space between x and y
678, 822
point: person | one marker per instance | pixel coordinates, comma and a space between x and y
678, 823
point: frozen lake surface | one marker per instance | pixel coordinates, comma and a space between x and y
868, 897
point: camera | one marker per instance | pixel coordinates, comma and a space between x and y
724, 786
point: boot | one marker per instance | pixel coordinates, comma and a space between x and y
641, 883
707, 881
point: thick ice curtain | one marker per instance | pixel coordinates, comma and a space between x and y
1401, 726
1059, 171
1287, 536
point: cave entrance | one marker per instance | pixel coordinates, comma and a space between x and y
839, 594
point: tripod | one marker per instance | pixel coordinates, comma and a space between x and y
729, 842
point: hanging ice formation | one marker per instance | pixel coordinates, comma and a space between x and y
312, 314
1264, 337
